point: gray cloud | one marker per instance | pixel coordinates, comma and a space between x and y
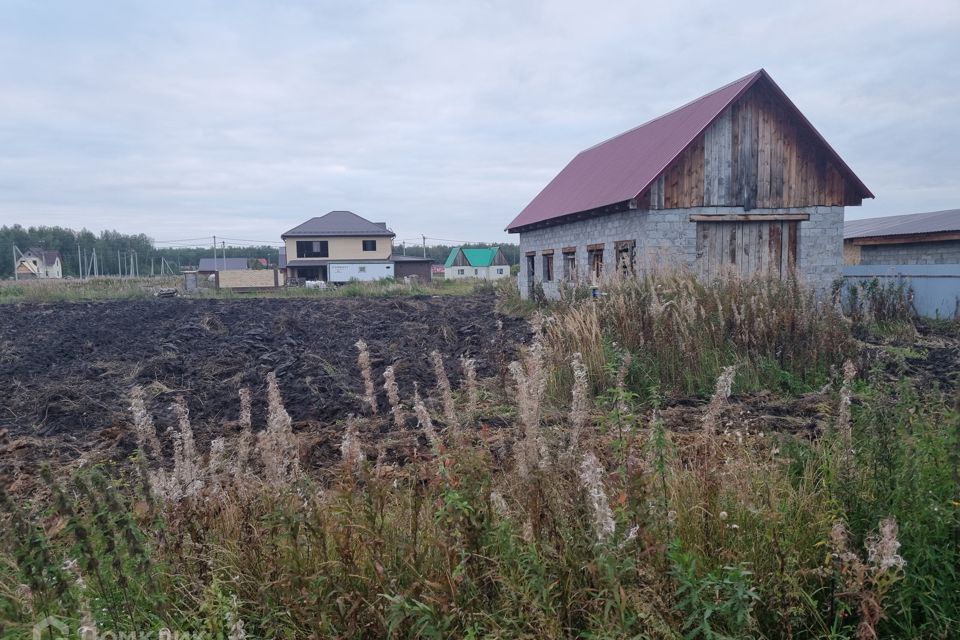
186, 119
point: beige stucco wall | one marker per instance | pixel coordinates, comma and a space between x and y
238, 279
346, 248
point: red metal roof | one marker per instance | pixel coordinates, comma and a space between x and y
624, 166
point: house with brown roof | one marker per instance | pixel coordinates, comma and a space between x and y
39, 264
736, 182
915, 238
341, 246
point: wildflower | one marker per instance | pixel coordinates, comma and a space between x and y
631, 536
578, 407
88, 625
469, 367
187, 478
723, 515
350, 449
882, 548
719, 398
363, 361
277, 445
143, 423
843, 413
443, 385
423, 416
591, 478
499, 504
245, 442
393, 395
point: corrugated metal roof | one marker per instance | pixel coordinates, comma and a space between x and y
475, 257
624, 166
340, 223
222, 264
931, 222
402, 258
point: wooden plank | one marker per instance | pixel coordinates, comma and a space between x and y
530, 253
732, 227
748, 217
761, 248
717, 165
784, 250
593, 247
773, 247
547, 252
569, 250
792, 244
741, 266
763, 157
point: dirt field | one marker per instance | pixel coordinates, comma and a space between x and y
67, 368
66, 371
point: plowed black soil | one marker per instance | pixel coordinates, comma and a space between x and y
67, 369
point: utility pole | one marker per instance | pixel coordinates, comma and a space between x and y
16, 274
214, 253
119, 265
424, 245
223, 253
80, 260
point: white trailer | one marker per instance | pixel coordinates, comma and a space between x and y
364, 272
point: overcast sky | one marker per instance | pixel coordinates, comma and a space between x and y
185, 118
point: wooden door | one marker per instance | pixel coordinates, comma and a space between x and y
746, 249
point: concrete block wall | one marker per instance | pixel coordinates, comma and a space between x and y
666, 238
942, 252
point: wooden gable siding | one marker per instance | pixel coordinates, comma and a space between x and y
461, 259
499, 260
755, 155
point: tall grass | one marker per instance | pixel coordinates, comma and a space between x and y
682, 332
104, 288
621, 530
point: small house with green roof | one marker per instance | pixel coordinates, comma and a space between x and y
488, 264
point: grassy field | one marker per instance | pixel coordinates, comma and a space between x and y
556, 505
133, 288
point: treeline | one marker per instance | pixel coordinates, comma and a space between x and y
116, 253
122, 254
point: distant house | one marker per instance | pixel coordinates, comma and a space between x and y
916, 238
39, 264
486, 264
342, 246
212, 265
736, 182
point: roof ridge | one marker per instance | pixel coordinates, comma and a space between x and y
750, 76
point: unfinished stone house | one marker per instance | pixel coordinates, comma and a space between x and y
735, 182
